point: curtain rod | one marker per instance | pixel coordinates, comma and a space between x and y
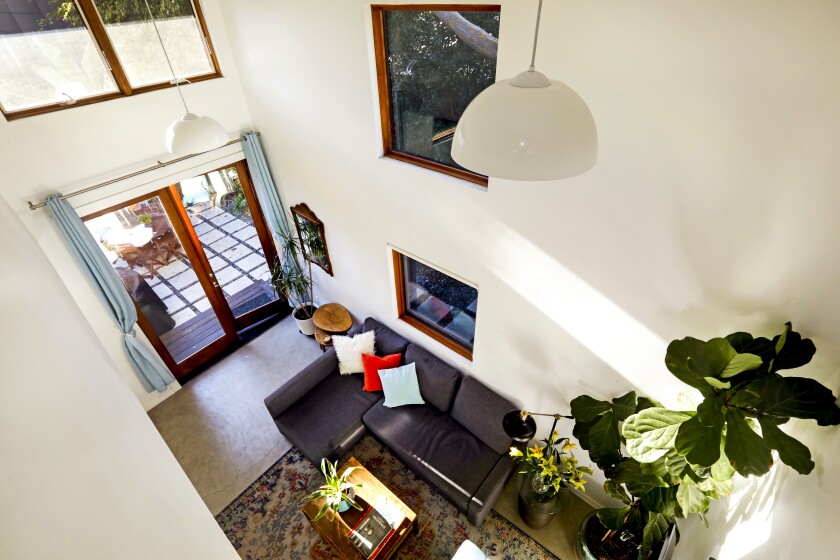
160, 165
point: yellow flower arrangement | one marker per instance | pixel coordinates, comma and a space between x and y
554, 462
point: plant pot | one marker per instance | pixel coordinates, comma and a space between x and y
589, 545
539, 504
344, 505
303, 316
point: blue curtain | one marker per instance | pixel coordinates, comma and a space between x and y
150, 369
266, 190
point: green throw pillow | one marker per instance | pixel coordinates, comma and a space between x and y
400, 386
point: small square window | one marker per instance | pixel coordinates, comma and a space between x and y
436, 303
431, 63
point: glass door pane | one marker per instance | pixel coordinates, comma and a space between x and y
222, 219
146, 252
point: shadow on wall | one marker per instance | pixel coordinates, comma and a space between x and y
783, 516
738, 524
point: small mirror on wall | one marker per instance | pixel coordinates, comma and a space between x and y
310, 231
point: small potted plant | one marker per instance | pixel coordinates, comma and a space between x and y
680, 461
294, 282
338, 493
548, 471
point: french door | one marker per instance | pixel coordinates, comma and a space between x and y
196, 259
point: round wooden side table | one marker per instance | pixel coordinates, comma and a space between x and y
330, 319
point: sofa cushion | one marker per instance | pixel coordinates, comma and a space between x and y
435, 447
387, 341
481, 410
349, 350
400, 386
438, 380
326, 421
372, 366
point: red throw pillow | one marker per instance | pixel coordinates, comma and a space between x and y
372, 366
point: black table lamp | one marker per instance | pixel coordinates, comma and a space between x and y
521, 427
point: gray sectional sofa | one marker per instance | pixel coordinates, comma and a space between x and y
454, 442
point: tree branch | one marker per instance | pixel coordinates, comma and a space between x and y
474, 36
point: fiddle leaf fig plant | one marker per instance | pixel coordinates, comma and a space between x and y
678, 461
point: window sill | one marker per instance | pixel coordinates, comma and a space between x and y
35, 111
463, 175
435, 335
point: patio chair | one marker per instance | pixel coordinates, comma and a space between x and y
168, 246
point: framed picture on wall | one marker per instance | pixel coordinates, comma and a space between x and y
313, 242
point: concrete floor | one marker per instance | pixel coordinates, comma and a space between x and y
217, 425
220, 432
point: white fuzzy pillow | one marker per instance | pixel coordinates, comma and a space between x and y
350, 349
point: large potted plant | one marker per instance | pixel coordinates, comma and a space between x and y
679, 461
337, 492
293, 281
547, 473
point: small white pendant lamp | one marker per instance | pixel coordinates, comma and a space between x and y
529, 128
191, 134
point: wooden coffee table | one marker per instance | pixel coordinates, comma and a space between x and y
335, 527
330, 319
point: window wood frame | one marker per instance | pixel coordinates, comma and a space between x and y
96, 27
406, 316
383, 86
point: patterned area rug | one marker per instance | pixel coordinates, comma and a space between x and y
266, 523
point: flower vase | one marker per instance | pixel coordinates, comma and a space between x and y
538, 502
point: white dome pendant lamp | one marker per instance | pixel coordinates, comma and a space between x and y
529, 128
191, 134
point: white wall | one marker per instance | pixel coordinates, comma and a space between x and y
712, 207
77, 147
85, 475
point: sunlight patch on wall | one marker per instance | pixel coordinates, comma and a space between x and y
604, 328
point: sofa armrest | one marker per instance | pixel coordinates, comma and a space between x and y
303, 382
490, 490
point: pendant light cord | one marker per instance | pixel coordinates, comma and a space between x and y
536, 34
169, 62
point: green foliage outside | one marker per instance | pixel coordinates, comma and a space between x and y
65, 14
430, 68
682, 460
239, 206
433, 75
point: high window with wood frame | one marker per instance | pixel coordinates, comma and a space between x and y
436, 303
56, 54
431, 62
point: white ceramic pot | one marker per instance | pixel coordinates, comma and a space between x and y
305, 326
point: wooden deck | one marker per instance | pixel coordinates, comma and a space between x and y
191, 336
